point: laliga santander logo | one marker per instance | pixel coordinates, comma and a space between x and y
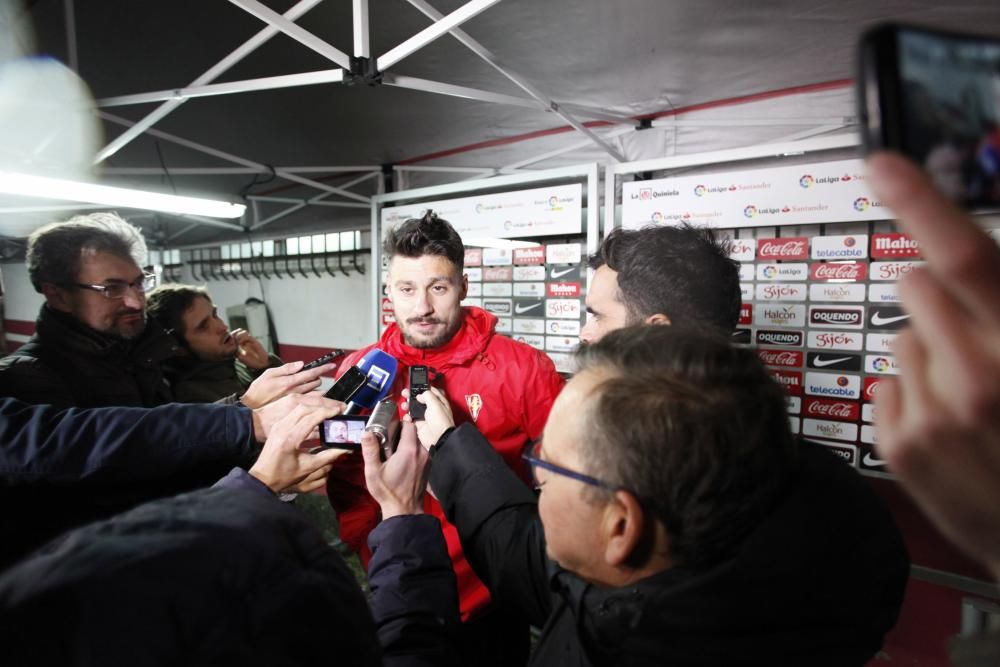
807, 181
479, 207
554, 203
657, 216
699, 190
750, 211
861, 204
880, 364
508, 225
770, 272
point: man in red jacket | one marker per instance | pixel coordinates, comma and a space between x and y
506, 388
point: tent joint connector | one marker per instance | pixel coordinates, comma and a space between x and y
363, 70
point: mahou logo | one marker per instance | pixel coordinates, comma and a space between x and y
790, 380
528, 256
786, 358
788, 248
831, 409
838, 271
563, 289
894, 246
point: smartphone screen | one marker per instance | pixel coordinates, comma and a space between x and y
342, 432
347, 385
938, 101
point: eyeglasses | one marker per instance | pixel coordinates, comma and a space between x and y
533, 457
116, 289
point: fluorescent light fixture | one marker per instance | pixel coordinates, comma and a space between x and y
502, 244
26, 185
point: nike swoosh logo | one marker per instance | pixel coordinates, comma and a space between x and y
559, 273
870, 460
519, 310
878, 320
823, 363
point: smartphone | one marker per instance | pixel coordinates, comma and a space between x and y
935, 97
418, 385
345, 388
325, 359
342, 431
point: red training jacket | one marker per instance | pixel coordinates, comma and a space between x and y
504, 386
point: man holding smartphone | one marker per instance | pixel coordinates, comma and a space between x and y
504, 387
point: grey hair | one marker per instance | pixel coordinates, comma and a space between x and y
55, 250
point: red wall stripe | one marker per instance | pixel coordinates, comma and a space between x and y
22, 327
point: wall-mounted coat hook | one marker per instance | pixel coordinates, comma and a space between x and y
354, 261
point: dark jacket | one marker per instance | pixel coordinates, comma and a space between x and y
62, 468
195, 381
68, 364
819, 582
228, 576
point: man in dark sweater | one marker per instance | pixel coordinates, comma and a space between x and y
213, 362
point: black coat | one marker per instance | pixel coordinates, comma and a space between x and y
67, 364
229, 576
819, 582
62, 468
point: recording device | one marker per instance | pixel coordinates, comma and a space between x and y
418, 385
347, 385
380, 373
935, 97
342, 432
325, 359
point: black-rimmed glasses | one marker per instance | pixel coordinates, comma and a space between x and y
116, 289
533, 457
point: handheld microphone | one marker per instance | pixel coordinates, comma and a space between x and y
380, 369
382, 424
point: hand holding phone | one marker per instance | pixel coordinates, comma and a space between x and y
935, 97
325, 359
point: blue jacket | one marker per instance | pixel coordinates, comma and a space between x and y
63, 468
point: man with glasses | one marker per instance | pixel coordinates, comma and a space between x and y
91, 346
677, 520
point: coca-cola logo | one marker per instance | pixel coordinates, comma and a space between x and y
791, 358
789, 248
871, 388
838, 271
831, 409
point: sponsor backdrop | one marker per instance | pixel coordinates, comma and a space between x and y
822, 313
806, 194
556, 210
